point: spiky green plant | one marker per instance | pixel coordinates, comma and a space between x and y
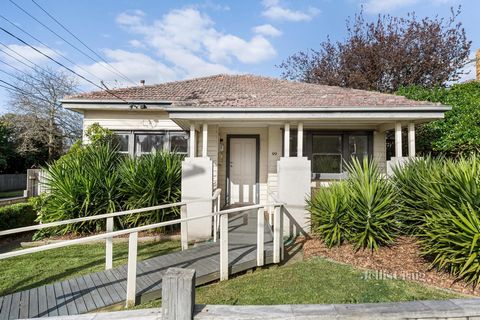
329, 213
373, 207
151, 180
451, 239
82, 183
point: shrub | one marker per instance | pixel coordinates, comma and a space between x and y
329, 213
151, 180
373, 206
16, 216
450, 239
362, 210
96, 179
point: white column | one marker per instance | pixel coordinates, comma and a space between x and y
204, 140
192, 140
286, 138
398, 139
411, 139
300, 140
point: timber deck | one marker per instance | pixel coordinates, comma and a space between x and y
107, 289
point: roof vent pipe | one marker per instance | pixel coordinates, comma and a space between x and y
142, 82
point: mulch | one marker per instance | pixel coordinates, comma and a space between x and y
401, 260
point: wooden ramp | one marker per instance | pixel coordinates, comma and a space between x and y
107, 289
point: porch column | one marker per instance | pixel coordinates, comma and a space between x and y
192, 140
398, 139
286, 138
411, 139
300, 140
204, 140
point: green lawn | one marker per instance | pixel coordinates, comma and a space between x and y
11, 194
41, 268
316, 281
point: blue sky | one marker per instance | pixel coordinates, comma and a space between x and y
165, 40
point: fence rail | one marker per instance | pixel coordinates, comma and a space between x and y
218, 216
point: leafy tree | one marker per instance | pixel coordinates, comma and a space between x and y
7, 148
45, 118
459, 132
386, 55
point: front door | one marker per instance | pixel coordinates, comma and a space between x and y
242, 178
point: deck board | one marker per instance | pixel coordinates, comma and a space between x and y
104, 289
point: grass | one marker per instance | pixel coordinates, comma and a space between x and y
11, 194
29, 271
316, 281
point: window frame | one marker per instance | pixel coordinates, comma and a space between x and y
132, 144
346, 155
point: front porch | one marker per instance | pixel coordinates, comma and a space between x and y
263, 162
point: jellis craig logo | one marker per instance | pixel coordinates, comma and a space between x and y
384, 275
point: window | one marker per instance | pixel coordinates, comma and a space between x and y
122, 142
147, 143
179, 142
329, 151
138, 143
327, 156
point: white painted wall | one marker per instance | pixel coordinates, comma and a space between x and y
380, 150
212, 149
129, 120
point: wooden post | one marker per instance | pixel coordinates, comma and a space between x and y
261, 237
109, 245
178, 294
224, 247
300, 140
215, 218
286, 142
276, 235
183, 228
204, 140
192, 141
132, 270
398, 139
411, 140
282, 245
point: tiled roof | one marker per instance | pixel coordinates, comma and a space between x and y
250, 91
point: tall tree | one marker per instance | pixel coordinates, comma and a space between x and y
387, 54
39, 100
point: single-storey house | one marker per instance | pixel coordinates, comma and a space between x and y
256, 138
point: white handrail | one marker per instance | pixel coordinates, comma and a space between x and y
102, 236
100, 216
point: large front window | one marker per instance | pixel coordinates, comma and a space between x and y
138, 143
330, 151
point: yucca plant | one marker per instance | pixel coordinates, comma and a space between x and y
151, 180
329, 213
373, 207
450, 237
418, 184
82, 183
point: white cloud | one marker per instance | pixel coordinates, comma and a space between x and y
267, 30
275, 11
136, 66
385, 6
189, 41
28, 53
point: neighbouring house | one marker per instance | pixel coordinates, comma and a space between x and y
259, 139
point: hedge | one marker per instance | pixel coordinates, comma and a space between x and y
16, 216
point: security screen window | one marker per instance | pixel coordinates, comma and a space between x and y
147, 143
358, 146
179, 142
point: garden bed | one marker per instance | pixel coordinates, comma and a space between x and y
401, 260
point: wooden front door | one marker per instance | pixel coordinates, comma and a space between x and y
242, 178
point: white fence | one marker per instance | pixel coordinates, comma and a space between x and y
217, 215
